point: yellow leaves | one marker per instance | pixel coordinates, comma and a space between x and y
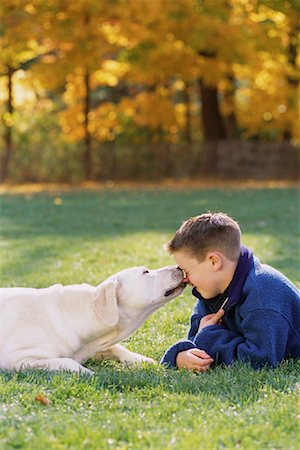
282, 108
162, 62
267, 13
75, 89
115, 67
71, 121
178, 85
147, 110
263, 80
153, 111
212, 70
67, 46
23, 92
103, 78
110, 73
113, 34
263, 110
179, 45
180, 112
30, 8
61, 15
156, 49
8, 119
104, 124
127, 107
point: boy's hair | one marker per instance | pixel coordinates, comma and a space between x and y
208, 232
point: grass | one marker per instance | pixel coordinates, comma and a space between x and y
85, 236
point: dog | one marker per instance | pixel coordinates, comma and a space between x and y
60, 327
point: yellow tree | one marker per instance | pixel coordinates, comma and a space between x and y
155, 61
268, 101
77, 34
128, 61
187, 41
19, 49
239, 51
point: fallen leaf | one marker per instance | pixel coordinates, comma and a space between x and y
42, 399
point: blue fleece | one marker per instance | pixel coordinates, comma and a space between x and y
261, 325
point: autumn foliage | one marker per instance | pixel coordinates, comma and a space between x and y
77, 76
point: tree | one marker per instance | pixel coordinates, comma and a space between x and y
18, 52
128, 69
78, 32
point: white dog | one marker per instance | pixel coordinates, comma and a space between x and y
62, 326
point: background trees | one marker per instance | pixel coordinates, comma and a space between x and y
83, 81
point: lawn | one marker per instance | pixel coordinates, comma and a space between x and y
85, 236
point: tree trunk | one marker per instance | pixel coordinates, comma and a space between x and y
213, 129
8, 128
230, 122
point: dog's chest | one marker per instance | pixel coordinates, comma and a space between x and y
97, 343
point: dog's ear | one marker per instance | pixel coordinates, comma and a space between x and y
105, 303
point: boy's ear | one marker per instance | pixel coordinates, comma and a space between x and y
215, 260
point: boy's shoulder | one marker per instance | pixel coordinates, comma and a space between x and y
266, 286
263, 273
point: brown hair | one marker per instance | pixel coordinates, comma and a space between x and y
208, 232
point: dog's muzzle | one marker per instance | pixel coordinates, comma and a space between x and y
169, 292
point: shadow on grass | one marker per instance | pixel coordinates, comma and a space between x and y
237, 384
56, 228
103, 214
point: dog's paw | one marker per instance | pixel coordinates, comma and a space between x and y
85, 371
145, 359
136, 358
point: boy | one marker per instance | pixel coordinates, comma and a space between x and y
245, 310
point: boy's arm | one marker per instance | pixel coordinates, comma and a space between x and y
169, 358
200, 310
263, 338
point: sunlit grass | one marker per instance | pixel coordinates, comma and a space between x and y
85, 237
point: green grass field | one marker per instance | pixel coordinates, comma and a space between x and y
86, 236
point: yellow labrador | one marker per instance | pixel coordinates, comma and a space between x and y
62, 326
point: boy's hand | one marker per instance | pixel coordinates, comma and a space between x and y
194, 359
211, 319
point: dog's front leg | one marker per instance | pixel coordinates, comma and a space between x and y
121, 354
53, 364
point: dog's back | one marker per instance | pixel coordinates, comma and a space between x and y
32, 319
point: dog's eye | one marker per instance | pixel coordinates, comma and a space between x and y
146, 271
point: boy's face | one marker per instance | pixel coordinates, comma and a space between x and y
203, 275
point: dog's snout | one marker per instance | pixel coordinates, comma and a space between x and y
177, 273
181, 271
